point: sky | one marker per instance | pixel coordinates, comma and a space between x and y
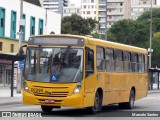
158, 2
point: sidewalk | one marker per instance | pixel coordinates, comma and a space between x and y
154, 91
6, 99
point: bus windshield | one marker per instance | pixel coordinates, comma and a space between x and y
54, 64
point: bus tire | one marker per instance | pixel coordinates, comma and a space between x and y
46, 109
130, 104
97, 104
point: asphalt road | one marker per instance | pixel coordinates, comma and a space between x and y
149, 106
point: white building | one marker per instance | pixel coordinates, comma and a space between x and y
51, 5
37, 20
138, 7
54, 5
71, 9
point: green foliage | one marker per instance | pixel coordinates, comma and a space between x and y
99, 36
129, 32
120, 31
156, 50
77, 25
147, 15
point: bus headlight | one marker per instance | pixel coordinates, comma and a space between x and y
77, 88
25, 86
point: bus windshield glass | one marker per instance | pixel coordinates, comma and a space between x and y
54, 64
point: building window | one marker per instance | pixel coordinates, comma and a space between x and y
92, 6
88, 12
32, 26
92, 1
2, 21
1, 44
40, 30
24, 27
78, 11
84, 1
84, 6
144, 3
12, 48
13, 24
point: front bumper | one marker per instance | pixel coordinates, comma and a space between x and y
68, 101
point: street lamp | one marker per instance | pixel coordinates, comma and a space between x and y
150, 50
21, 24
106, 22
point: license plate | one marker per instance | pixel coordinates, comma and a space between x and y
49, 101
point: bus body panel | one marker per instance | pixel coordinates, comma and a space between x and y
116, 86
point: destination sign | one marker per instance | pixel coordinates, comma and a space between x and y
56, 40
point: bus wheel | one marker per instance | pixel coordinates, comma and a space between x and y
46, 109
130, 104
97, 104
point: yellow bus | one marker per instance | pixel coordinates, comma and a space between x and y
83, 72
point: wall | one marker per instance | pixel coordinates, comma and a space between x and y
53, 19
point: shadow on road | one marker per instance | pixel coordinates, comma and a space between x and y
107, 111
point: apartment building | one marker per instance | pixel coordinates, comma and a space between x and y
116, 10
35, 23
89, 9
138, 7
71, 9
54, 5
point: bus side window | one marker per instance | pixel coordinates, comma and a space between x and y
89, 61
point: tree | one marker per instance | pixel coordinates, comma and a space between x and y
77, 25
147, 15
129, 32
99, 36
156, 50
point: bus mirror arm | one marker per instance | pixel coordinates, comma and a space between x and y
20, 55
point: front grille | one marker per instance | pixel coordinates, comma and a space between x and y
52, 94
51, 91
50, 87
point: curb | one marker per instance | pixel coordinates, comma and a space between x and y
11, 103
154, 91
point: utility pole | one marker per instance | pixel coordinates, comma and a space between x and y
106, 23
150, 50
21, 24
64, 4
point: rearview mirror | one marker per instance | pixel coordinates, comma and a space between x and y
21, 54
